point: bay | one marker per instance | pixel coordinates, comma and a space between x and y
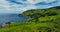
11, 18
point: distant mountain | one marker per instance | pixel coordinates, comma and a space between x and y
58, 7
42, 11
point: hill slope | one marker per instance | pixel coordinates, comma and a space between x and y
39, 20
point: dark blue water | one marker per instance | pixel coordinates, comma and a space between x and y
11, 17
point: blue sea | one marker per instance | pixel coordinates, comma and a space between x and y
11, 17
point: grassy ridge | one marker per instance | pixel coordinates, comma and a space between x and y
44, 20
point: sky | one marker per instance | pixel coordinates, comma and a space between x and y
19, 6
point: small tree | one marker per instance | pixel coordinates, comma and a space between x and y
8, 22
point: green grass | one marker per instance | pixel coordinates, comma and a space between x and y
28, 26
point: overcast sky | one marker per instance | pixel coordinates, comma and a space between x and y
18, 6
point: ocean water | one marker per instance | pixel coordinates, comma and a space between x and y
11, 17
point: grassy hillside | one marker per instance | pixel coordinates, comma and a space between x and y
39, 20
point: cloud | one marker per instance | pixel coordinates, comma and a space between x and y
19, 6
37, 1
3, 6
